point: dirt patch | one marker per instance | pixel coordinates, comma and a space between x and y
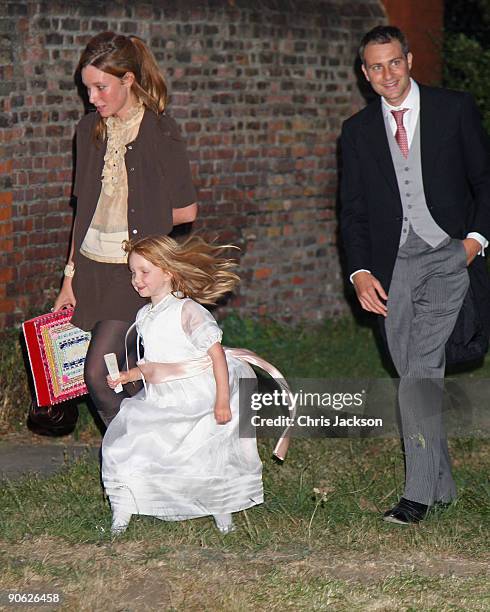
131, 576
29, 438
150, 591
359, 567
369, 569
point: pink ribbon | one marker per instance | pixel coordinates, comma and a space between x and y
156, 373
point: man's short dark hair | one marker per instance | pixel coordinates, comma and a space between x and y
382, 35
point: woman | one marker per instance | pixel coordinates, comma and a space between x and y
132, 180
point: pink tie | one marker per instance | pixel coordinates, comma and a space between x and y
401, 133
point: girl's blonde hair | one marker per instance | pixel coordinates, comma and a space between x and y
197, 267
117, 54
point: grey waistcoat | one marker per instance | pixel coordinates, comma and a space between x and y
408, 171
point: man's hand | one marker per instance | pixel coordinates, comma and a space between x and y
472, 248
369, 291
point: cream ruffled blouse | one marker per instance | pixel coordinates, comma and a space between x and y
109, 226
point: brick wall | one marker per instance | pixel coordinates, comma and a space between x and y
259, 88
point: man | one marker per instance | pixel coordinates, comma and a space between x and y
415, 213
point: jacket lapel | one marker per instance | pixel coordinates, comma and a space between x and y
375, 133
430, 135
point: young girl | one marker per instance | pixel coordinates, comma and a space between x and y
173, 451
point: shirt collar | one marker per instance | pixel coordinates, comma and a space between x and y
412, 101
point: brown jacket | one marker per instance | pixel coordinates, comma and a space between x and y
159, 177
159, 180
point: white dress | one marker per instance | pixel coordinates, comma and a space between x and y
164, 455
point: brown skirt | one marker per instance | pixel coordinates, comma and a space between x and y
103, 292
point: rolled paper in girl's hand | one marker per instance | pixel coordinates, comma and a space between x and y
113, 369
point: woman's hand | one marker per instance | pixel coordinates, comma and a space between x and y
222, 413
66, 297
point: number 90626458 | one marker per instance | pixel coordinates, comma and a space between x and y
21, 598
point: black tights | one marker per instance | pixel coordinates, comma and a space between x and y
107, 337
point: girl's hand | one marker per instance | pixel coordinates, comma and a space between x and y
222, 414
124, 378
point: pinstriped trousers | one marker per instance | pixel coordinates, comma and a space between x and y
426, 293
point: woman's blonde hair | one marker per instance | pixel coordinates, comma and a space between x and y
117, 54
198, 269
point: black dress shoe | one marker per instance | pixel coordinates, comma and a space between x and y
406, 512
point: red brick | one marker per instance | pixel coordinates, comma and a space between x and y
6, 167
6, 197
5, 213
262, 273
6, 274
6, 305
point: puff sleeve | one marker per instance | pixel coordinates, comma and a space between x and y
200, 326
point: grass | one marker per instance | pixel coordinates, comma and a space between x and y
359, 478
294, 551
332, 349
316, 543
15, 396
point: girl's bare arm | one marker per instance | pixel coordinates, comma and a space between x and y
222, 411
